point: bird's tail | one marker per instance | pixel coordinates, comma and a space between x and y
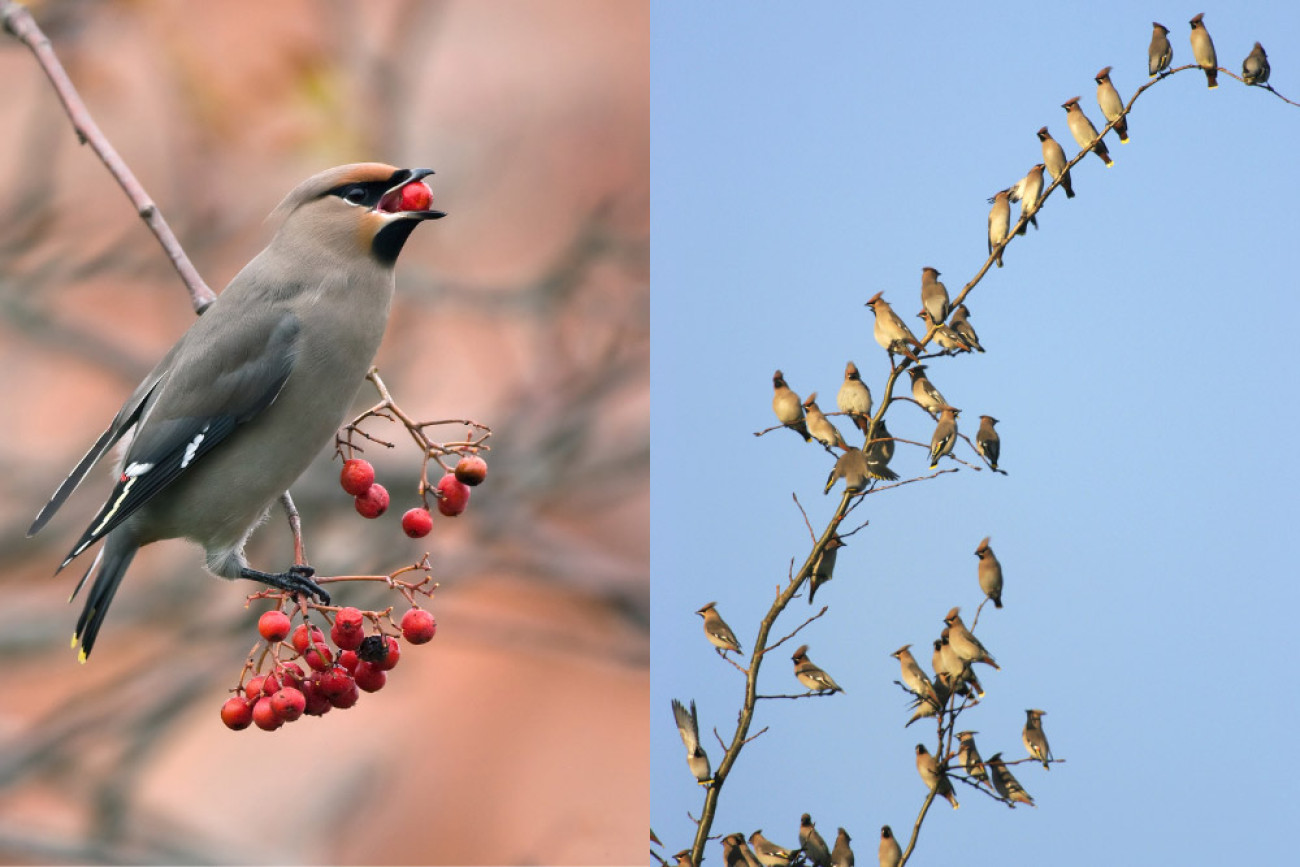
111, 563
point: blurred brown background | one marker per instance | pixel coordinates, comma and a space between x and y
519, 734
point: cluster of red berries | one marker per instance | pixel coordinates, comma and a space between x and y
358, 479
334, 677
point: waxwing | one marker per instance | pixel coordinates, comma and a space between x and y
890, 854
249, 395
934, 295
1005, 782
961, 324
821, 428
1055, 161
810, 675
1203, 51
891, 332
934, 776
688, 726
1254, 69
999, 224
854, 397
768, 853
717, 630
1160, 52
1034, 738
945, 435
924, 393
812, 843
1084, 132
1112, 106
968, 756
824, 569
1028, 191
987, 441
842, 854
787, 406
990, 572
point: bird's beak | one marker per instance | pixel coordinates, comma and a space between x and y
392, 201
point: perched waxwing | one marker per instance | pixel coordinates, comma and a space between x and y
879, 452
1111, 105
964, 644
987, 442
1254, 70
999, 223
820, 426
788, 408
1005, 783
852, 468
855, 398
934, 295
924, 392
1055, 161
891, 854
932, 775
824, 569
1029, 192
1084, 132
683, 858
1035, 740
688, 726
1203, 51
945, 435
960, 323
914, 677
768, 853
958, 673
810, 675
1160, 52
891, 332
990, 572
968, 756
814, 847
842, 855
244, 401
717, 630
736, 852
944, 336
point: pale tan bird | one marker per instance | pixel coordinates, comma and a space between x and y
842, 854
814, 847
999, 224
768, 853
959, 674
1005, 783
1203, 51
1028, 191
968, 756
1055, 161
820, 426
934, 776
1084, 132
945, 435
950, 340
1160, 52
987, 441
810, 675
891, 854
990, 572
914, 677
878, 452
934, 295
1112, 106
964, 644
890, 331
924, 392
683, 858
824, 569
788, 407
688, 726
960, 323
717, 630
1254, 69
736, 852
854, 397
852, 468
1035, 740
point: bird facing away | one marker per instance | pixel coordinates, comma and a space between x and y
1160, 52
890, 331
1084, 132
810, 675
842, 854
238, 408
824, 569
924, 392
987, 442
1055, 161
688, 726
717, 630
1111, 105
1254, 70
990, 572
1203, 51
999, 224
852, 468
878, 452
960, 323
945, 436
788, 408
768, 853
820, 426
968, 756
950, 340
1005, 783
891, 854
736, 852
1035, 740
932, 775
964, 644
934, 295
1029, 192
814, 847
854, 397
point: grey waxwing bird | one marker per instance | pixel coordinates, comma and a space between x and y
890, 331
736, 852
688, 726
960, 323
814, 847
1055, 161
717, 630
990, 572
968, 756
964, 644
1084, 132
1254, 70
854, 397
933, 776
924, 392
945, 435
852, 468
934, 295
787, 406
1029, 192
959, 673
1160, 53
914, 677
810, 675
842, 855
879, 452
1034, 738
683, 858
1005, 783
891, 854
944, 336
768, 853
824, 569
820, 426
248, 396
1111, 105
1203, 51
999, 224
987, 442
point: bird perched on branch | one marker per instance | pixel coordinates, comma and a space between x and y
248, 396
1254, 69
890, 853
824, 569
960, 323
1055, 161
787, 406
768, 853
950, 340
1111, 105
999, 223
810, 675
717, 630
1034, 738
945, 435
1084, 132
990, 572
890, 331
963, 643
1159, 53
814, 847
1007, 786
1203, 51
820, 426
987, 441
854, 397
842, 854
1029, 192
852, 468
934, 295
878, 452
924, 392
968, 756
688, 726
933, 776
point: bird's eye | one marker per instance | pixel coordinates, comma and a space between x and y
356, 195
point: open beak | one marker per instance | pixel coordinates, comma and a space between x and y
397, 200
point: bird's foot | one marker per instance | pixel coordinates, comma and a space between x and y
296, 581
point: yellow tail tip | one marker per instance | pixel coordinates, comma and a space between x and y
73, 645
82, 657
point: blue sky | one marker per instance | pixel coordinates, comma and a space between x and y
1139, 358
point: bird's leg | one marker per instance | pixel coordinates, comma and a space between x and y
295, 527
297, 581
